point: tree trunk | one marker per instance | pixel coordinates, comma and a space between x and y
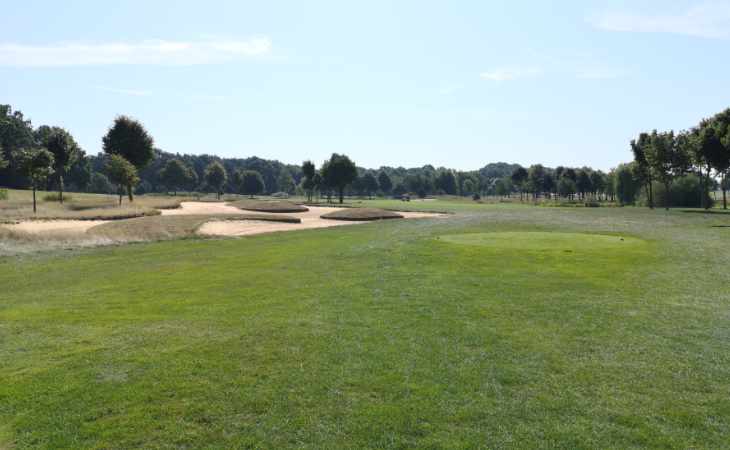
120, 191
667, 193
34, 207
60, 188
342, 194
130, 194
651, 195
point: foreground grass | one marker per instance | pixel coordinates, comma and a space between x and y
399, 334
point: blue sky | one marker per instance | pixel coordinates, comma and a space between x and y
450, 83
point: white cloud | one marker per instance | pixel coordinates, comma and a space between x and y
132, 92
182, 53
509, 74
710, 20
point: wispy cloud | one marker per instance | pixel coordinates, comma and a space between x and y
709, 20
509, 74
131, 92
182, 53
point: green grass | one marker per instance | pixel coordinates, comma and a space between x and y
398, 334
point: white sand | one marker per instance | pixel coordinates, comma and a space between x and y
66, 227
310, 219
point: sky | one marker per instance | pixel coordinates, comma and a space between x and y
394, 82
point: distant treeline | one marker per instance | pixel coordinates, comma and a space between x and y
668, 169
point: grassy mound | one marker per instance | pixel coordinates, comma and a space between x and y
271, 206
170, 227
361, 214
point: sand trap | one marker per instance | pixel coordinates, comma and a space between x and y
187, 208
310, 219
66, 227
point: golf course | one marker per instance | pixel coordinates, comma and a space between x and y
500, 325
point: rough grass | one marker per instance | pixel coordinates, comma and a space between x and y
378, 336
170, 227
19, 206
361, 214
270, 206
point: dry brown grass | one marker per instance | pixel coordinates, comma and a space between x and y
361, 214
170, 227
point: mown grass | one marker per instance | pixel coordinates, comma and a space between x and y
383, 335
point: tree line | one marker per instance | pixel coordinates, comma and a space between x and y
672, 169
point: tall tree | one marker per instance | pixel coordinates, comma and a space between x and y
122, 173
251, 182
215, 177
286, 182
625, 184
666, 160
385, 183
704, 144
583, 182
536, 179
338, 173
519, 179
129, 139
308, 171
720, 159
642, 169
175, 175
369, 184
36, 164
65, 152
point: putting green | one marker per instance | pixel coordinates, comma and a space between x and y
546, 242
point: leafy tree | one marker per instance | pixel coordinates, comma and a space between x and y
309, 171
216, 177
338, 173
503, 186
598, 182
642, 170
100, 184
65, 151
583, 182
666, 160
16, 133
469, 187
719, 159
36, 164
251, 182
566, 187
176, 175
446, 182
3, 161
625, 184
317, 182
536, 179
369, 184
519, 179
286, 182
385, 183
122, 173
129, 139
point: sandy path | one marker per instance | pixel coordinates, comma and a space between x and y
310, 219
54, 226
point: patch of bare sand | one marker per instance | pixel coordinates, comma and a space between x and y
187, 208
310, 219
54, 227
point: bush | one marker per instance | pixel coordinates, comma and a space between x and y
592, 204
3, 194
54, 197
476, 197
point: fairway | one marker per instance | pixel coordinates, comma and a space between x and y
500, 326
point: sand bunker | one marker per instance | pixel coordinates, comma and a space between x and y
310, 219
48, 227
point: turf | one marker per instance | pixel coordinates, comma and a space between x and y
430, 333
